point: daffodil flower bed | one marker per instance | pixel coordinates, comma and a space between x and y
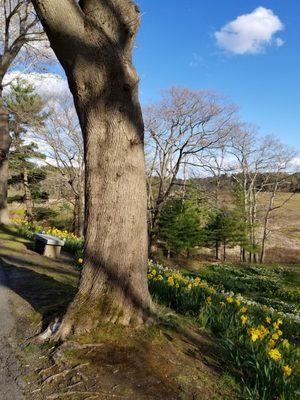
27, 229
254, 339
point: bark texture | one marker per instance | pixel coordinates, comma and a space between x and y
5, 141
28, 200
94, 46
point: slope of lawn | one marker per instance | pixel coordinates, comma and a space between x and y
215, 325
172, 359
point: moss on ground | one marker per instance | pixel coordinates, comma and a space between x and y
171, 359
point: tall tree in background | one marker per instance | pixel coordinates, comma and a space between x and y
281, 164
179, 226
63, 142
178, 129
224, 229
26, 113
94, 45
257, 169
20, 32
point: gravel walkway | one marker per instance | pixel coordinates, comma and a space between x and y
10, 381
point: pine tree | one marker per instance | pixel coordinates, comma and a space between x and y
25, 114
226, 229
179, 226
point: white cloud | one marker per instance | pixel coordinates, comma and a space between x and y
279, 42
250, 33
295, 163
48, 85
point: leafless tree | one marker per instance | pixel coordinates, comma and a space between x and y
212, 163
20, 31
257, 161
178, 129
280, 174
62, 143
93, 40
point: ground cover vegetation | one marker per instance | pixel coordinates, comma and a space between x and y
262, 344
253, 311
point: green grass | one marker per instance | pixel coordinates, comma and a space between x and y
170, 359
48, 285
276, 286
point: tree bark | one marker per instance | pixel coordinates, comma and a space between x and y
94, 46
28, 201
217, 250
224, 251
5, 142
78, 216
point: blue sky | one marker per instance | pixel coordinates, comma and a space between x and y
176, 46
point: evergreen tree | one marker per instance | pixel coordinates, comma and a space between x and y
226, 229
179, 226
25, 114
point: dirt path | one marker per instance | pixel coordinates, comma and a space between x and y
9, 377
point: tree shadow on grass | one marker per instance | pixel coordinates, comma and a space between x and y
46, 295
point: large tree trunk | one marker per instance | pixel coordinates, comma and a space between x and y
94, 46
5, 142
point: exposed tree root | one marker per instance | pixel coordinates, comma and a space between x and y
92, 395
48, 333
63, 374
54, 377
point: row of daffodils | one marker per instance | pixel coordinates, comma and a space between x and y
256, 346
260, 344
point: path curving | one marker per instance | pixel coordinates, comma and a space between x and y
9, 366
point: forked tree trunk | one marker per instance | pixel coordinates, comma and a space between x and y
5, 142
94, 46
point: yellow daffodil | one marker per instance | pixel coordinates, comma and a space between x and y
287, 371
170, 281
271, 343
237, 302
268, 320
285, 343
275, 336
229, 299
222, 304
279, 332
197, 281
80, 260
244, 319
277, 323
243, 310
263, 331
274, 354
208, 301
254, 334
